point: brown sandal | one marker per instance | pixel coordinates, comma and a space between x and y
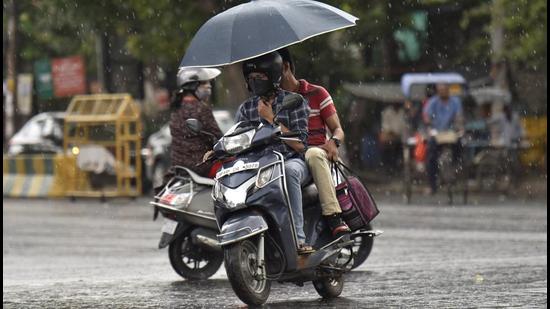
305, 249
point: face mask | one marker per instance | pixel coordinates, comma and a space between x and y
203, 94
260, 87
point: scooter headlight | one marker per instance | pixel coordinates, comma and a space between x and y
238, 143
264, 176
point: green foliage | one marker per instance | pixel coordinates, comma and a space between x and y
525, 25
157, 32
154, 31
49, 30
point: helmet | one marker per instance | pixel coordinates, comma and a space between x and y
270, 64
190, 78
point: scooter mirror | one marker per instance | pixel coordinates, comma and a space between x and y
291, 101
194, 125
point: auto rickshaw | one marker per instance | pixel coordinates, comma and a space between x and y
451, 176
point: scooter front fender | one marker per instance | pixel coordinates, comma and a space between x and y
241, 225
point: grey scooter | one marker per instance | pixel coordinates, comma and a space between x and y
190, 227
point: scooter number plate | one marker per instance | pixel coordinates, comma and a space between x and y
236, 169
169, 227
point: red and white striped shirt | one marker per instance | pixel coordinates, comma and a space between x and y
321, 108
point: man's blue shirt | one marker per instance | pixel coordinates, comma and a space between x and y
443, 114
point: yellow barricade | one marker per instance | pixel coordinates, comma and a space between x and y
536, 129
40, 175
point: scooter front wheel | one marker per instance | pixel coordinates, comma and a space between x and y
329, 287
243, 272
192, 262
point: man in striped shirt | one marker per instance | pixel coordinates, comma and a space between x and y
321, 152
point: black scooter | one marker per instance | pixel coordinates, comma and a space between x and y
257, 233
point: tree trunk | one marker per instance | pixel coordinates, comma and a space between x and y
499, 65
233, 81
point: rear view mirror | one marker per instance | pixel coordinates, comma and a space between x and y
291, 101
194, 125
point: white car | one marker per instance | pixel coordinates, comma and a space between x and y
43, 133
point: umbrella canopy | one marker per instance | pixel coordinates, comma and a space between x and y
491, 94
410, 79
379, 92
259, 27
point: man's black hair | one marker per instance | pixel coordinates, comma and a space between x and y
285, 54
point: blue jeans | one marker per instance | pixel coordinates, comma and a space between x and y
297, 174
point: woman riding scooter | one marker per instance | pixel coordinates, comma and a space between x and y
191, 101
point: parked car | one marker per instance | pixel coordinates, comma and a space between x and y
43, 133
156, 155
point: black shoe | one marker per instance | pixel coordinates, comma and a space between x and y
337, 226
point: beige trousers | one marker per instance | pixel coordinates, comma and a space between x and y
319, 166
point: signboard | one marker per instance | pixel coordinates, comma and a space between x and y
43, 75
69, 76
24, 93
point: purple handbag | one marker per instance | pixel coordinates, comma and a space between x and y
357, 204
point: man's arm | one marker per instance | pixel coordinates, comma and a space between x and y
297, 146
332, 121
240, 115
333, 124
427, 113
298, 121
266, 112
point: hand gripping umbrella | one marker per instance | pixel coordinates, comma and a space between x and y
259, 27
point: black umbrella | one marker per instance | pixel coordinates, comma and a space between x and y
259, 27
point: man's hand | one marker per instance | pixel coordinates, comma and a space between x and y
265, 110
207, 155
331, 149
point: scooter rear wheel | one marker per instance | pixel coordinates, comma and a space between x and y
192, 262
329, 287
242, 271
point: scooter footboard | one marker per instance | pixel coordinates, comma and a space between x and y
241, 226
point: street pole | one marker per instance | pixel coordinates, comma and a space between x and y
11, 96
99, 61
106, 63
499, 65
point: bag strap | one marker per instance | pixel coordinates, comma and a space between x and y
342, 168
342, 165
336, 172
339, 170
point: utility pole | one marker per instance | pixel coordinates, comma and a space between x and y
99, 61
107, 70
11, 97
499, 65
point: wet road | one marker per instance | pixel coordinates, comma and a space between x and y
86, 254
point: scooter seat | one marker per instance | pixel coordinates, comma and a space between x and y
196, 178
310, 195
